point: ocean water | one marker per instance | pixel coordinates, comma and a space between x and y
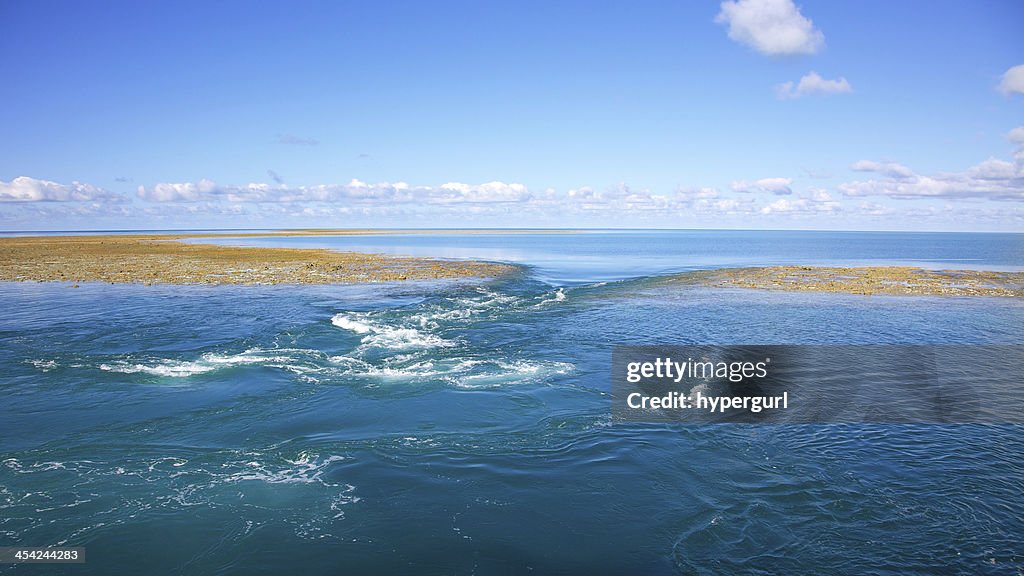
464, 427
577, 258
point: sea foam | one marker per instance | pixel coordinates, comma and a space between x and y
295, 360
384, 336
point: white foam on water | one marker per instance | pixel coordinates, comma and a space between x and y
559, 296
173, 461
389, 371
489, 299
344, 321
469, 373
285, 358
44, 365
431, 320
383, 336
411, 331
305, 469
165, 368
502, 373
344, 498
404, 338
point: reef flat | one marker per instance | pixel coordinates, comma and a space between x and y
891, 280
161, 259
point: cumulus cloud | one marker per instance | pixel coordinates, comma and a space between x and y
773, 27
584, 193
26, 189
1016, 135
178, 192
689, 195
995, 169
875, 209
355, 191
820, 195
480, 193
992, 179
890, 169
945, 186
1013, 81
812, 83
768, 200
784, 205
777, 186
817, 201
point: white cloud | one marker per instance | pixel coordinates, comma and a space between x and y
812, 83
890, 169
727, 205
768, 201
585, 193
26, 189
183, 192
1016, 135
1013, 81
773, 27
777, 186
817, 202
873, 209
479, 193
690, 195
783, 205
992, 180
620, 197
820, 195
994, 169
355, 192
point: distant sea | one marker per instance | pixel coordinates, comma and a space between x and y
464, 427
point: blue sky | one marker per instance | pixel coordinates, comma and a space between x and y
736, 114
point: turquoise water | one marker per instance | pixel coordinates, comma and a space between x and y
465, 427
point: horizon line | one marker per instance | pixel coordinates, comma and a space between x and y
500, 229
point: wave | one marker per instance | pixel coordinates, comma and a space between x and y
411, 344
209, 362
465, 373
343, 321
313, 366
384, 336
559, 296
43, 365
513, 372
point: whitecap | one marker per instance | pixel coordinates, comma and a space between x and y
469, 373
384, 336
502, 373
346, 322
286, 358
44, 365
559, 296
165, 368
